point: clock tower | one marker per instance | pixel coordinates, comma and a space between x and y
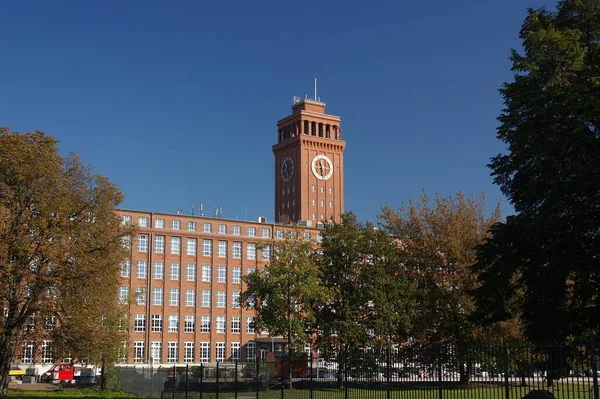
309, 165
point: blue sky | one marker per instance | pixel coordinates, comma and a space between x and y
177, 102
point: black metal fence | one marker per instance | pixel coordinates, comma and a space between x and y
506, 371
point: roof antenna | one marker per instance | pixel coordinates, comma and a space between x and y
316, 89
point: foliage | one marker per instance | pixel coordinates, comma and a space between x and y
60, 247
369, 301
282, 293
547, 252
437, 247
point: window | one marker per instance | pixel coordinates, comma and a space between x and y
207, 227
207, 248
314, 201
143, 221
189, 324
322, 189
173, 323
175, 224
236, 275
176, 245
142, 269
140, 295
140, 323
27, 352
251, 231
222, 229
126, 241
204, 352
123, 294
322, 202
220, 324
156, 351
138, 351
221, 299
171, 352
222, 249
206, 273
190, 272
314, 216
250, 270
174, 271
319, 237
159, 244
173, 296
306, 236
205, 324
293, 235
126, 220
251, 251
237, 230
235, 324
142, 243
280, 234
235, 299
159, 223
191, 226
330, 190
236, 249
331, 204
188, 352
190, 297
251, 352
157, 296
250, 325
266, 252
221, 274
157, 323
159, 270
206, 298
235, 351
266, 233
313, 188
125, 268
322, 216
191, 246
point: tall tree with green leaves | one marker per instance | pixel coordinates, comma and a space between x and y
60, 240
284, 291
369, 301
551, 174
438, 241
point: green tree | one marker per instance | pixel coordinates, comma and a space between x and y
438, 242
60, 239
284, 291
551, 173
369, 300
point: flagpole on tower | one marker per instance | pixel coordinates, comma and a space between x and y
316, 89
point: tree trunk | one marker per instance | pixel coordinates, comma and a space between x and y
103, 375
7, 348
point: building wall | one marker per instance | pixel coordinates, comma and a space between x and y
139, 273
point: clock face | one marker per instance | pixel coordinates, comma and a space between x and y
287, 169
322, 167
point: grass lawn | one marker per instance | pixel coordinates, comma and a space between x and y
67, 393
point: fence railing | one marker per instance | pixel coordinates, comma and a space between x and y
506, 371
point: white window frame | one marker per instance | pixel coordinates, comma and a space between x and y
250, 325
172, 351
236, 324
175, 245
235, 299
222, 229
204, 352
206, 247
236, 351
156, 324
125, 271
189, 324
188, 352
206, 298
159, 223
190, 272
173, 325
206, 273
190, 297
251, 251
221, 299
221, 324
141, 270
157, 296
191, 226
236, 275
174, 271
159, 244
159, 270
205, 324
142, 244
236, 250
175, 224
142, 221
251, 231
221, 274
222, 249
207, 227
237, 230
173, 296
191, 246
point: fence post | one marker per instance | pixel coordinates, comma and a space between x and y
345, 360
257, 376
388, 372
281, 373
310, 384
235, 385
439, 371
217, 378
505, 370
594, 366
174, 381
201, 379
